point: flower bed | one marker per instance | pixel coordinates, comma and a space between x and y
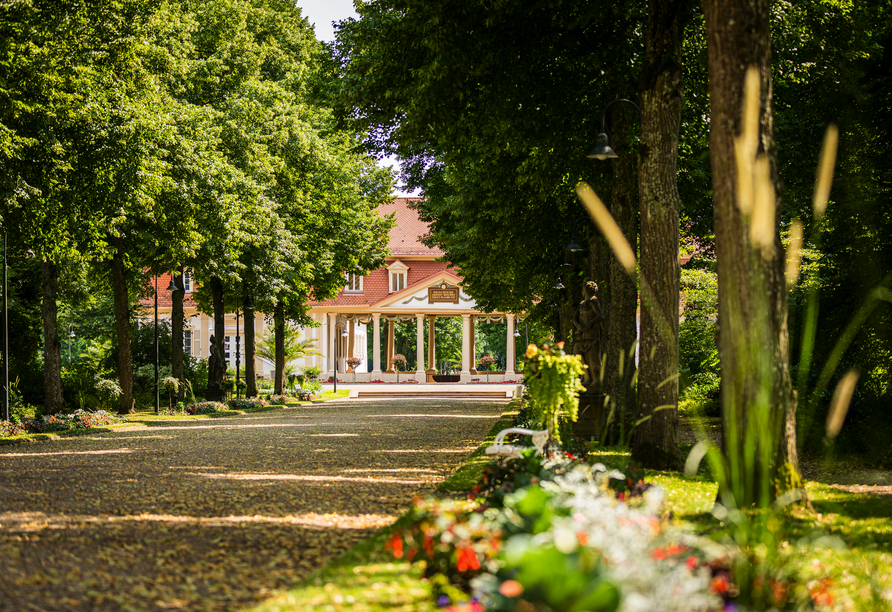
79, 419
556, 533
246, 404
205, 407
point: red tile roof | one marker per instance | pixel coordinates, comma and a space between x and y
405, 242
164, 299
375, 286
405, 237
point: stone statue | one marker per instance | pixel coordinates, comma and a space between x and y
216, 370
587, 336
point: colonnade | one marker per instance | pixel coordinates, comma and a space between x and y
337, 323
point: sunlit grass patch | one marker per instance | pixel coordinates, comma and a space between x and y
469, 473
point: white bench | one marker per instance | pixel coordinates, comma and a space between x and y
511, 451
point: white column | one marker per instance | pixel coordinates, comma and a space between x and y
510, 359
420, 376
376, 343
465, 375
332, 338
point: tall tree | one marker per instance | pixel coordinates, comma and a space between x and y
655, 441
756, 391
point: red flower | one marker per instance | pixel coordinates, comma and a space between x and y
396, 545
692, 563
719, 585
467, 559
659, 554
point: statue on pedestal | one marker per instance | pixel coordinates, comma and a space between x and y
587, 336
216, 371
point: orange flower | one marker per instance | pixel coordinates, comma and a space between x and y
582, 537
467, 559
659, 554
396, 545
719, 585
692, 563
511, 588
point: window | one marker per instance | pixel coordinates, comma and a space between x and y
397, 281
397, 271
187, 342
354, 283
187, 282
229, 346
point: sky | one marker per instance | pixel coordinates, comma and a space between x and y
321, 13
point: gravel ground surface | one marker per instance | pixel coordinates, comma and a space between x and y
216, 514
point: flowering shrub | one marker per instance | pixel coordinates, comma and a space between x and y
79, 419
563, 541
487, 363
11, 428
246, 404
205, 407
553, 380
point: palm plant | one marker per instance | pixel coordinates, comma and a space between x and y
295, 347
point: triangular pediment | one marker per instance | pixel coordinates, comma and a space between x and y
397, 265
441, 290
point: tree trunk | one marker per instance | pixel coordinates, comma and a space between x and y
279, 324
622, 324
122, 325
52, 347
758, 403
176, 333
655, 441
250, 373
219, 313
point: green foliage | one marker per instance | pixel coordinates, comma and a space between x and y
108, 391
698, 353
295, 348
553, 378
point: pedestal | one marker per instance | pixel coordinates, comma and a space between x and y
592, 416
214, 393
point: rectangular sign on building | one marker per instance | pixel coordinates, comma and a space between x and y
441, 294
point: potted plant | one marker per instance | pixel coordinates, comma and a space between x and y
398, 361
487, 364
352, 362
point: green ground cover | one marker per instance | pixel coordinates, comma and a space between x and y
146, 415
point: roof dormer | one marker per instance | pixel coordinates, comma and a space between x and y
397, 273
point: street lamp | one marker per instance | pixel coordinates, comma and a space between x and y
574, 246
343, 335
171, 287
70, 336
558, 283
247, 303
602, 148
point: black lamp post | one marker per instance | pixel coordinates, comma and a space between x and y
602, 148
558, 283
171, 287
70, 336
247, 303
343, 335
574, 246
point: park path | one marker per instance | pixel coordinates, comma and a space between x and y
216, 514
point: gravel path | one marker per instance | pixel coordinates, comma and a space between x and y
216, 514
